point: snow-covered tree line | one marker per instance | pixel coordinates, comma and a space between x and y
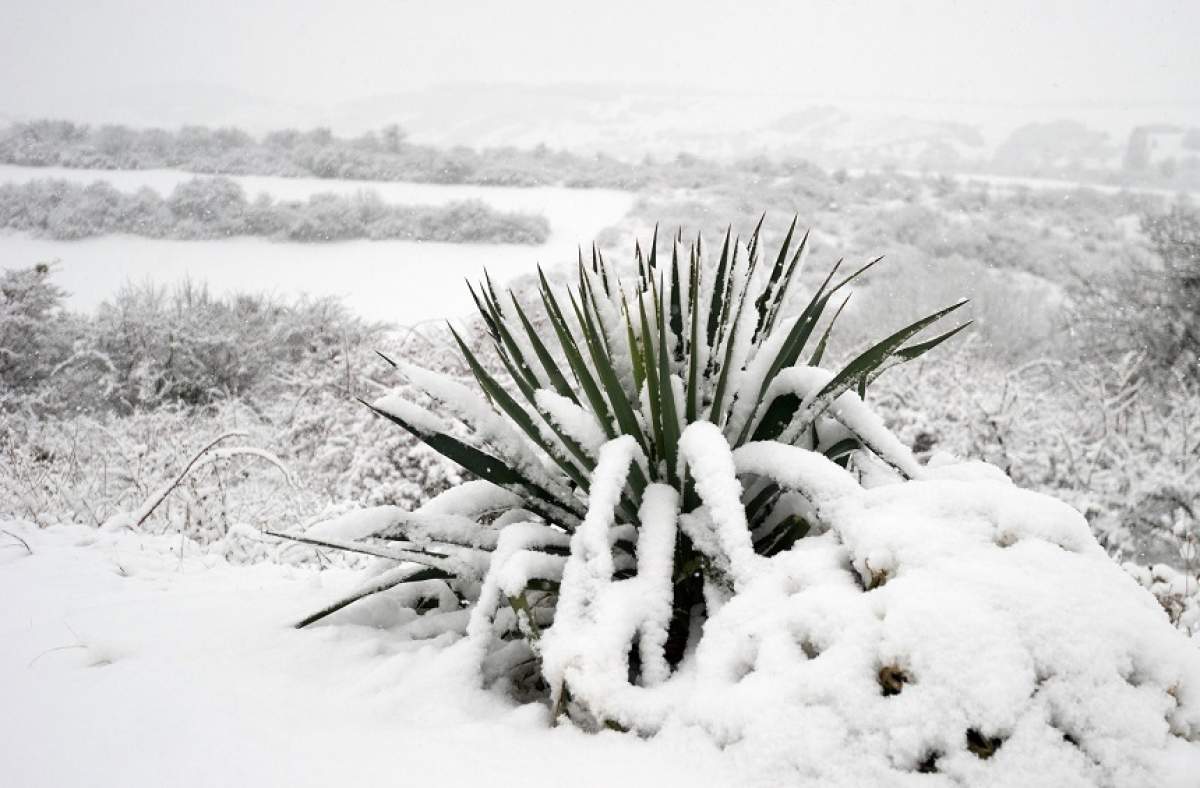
206, 208
384, 155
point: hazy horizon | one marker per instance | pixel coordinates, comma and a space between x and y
269, 63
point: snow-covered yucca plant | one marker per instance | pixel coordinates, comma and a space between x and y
681, 520
591, 419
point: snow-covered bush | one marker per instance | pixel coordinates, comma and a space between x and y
649, 358
101, 411
1122, 450
149, 347
34, 332
306, 456
1151, 305
705, 528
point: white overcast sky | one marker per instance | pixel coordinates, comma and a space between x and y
59, 54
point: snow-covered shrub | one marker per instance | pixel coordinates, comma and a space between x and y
1151, 305
303, 457
648, 358
702, 527
148, 347
1122, 450
100, 412
93, 469
34, 331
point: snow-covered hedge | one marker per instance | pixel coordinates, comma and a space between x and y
206, 208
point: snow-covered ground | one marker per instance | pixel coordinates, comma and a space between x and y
382, 280
138, 660
122, 663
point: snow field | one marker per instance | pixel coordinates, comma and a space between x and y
124, 664
380, 280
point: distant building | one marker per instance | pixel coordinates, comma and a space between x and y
1165, 147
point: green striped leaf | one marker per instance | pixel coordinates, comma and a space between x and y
764, 301
716, 301
557, 380
570, 348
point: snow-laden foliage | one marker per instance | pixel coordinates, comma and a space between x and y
30, 308
1122, 449
148, 347
1151, 306
702, 527
648, 357
325, 457
100, 412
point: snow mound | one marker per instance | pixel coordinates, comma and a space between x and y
949, 631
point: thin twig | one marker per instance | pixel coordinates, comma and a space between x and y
52, 650
147, 510
19, 539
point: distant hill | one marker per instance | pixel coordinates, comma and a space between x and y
634, 121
